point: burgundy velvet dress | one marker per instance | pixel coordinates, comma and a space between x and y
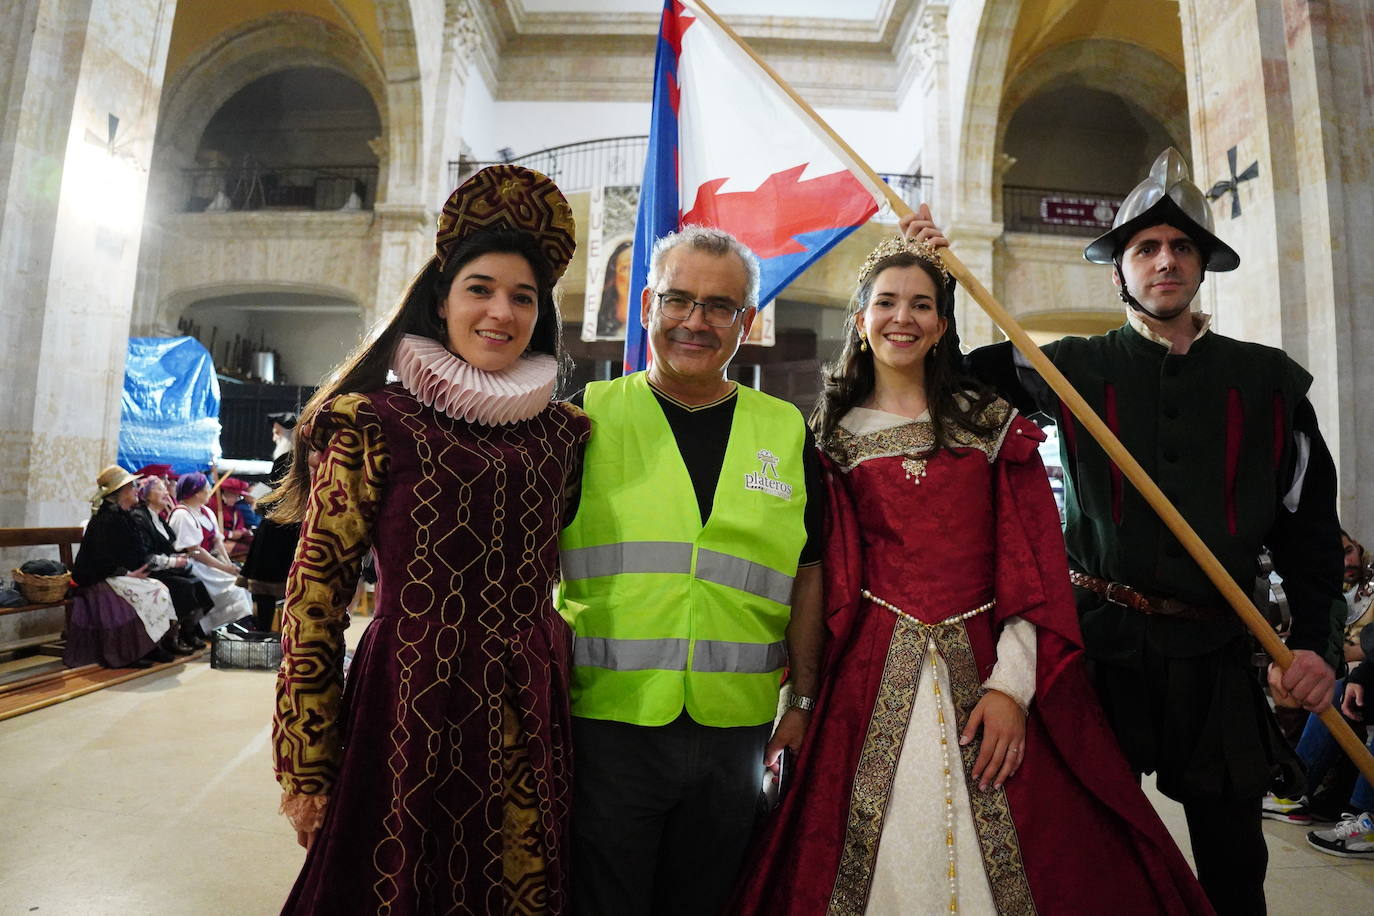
445, 759
939, 536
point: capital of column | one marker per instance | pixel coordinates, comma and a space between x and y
973, 232
461, 31
930, 38
403, 216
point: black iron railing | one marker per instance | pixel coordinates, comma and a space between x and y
254, 186
576, 166
1058, 212
620, 161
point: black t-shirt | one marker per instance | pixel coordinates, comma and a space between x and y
702, 434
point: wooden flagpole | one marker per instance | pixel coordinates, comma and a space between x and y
1201, 554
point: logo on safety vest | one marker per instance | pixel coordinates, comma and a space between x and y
766, 478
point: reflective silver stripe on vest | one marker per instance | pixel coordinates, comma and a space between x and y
723, 569
738, 657
627, 557
630, 654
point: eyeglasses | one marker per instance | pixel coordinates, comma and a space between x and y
680, 308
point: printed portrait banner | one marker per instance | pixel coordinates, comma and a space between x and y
610, 300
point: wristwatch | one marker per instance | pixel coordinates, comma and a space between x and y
797, 701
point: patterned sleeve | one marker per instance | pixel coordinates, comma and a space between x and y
335, 536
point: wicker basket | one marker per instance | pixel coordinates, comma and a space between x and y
42, 589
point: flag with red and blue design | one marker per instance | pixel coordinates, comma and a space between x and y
729, 149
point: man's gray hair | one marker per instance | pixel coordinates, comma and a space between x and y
711, 241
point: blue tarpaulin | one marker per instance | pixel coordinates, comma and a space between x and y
169, 413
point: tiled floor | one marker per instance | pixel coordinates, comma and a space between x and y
156, 797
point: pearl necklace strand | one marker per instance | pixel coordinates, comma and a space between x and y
952, 873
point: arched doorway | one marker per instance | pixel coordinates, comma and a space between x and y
306, 334
299, 138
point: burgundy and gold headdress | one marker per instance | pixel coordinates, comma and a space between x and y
510, 197
898, 245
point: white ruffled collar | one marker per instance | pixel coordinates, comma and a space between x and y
452, 386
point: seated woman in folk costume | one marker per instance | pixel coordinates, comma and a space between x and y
436, 780
198, 536
956, 759
120, 616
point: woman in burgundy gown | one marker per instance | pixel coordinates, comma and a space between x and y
436, 779
956, 758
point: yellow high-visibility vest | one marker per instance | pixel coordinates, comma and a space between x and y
670, 613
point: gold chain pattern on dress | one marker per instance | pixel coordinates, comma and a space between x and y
952, 872
912, 642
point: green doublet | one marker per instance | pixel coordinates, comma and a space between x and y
1213, 428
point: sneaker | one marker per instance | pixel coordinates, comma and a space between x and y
1352, 838
1318, 815
1289, 810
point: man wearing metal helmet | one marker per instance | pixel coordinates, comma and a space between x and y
1225, 428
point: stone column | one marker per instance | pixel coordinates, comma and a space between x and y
974, 243
407, 199
70, 223
1288, 85
461, 40
930, 47
407, 241
978, 38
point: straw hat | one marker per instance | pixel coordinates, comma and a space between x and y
110, 480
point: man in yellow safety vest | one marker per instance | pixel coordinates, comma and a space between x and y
691, 576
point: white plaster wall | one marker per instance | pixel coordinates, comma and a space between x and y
887, 140
529, 126
479, 119
311, 344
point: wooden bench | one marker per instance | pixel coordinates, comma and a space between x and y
40, 685
63, 539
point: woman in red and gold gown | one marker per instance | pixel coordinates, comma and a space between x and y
436, 779
956, 759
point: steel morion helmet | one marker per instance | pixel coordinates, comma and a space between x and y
1166, 196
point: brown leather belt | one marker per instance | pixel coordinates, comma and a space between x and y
1126, 596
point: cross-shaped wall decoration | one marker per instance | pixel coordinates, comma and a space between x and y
1233, 183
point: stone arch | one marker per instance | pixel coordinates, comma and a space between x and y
209, 79
240, 56
320, 253
1049, 324
974, 169
1156, 86
177, 300
311, 328
403, 156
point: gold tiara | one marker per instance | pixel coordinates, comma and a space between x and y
899, 245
